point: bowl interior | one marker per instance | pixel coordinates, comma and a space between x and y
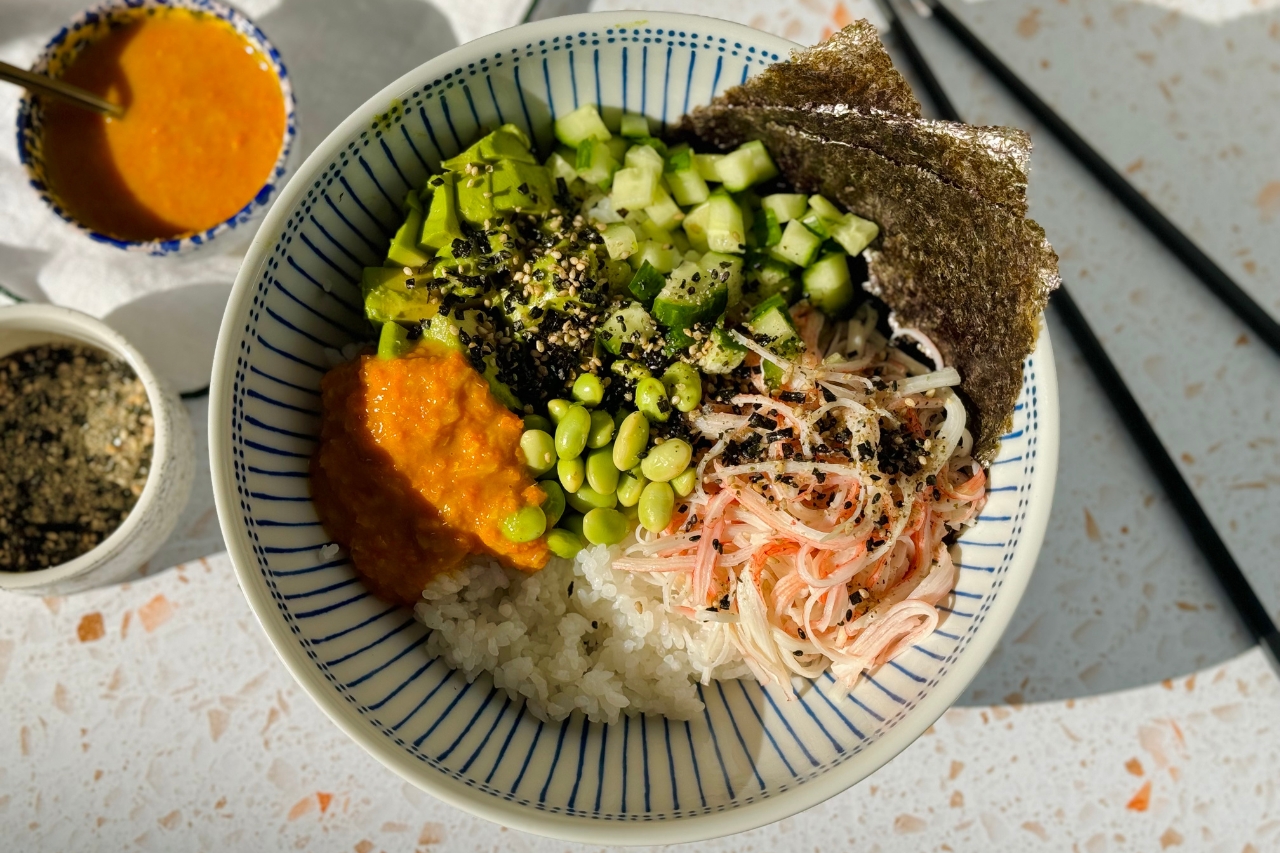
297, 304
87, 27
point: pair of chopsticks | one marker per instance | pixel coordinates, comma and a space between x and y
1245, 600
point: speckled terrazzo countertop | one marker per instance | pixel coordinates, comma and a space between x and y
1123, 710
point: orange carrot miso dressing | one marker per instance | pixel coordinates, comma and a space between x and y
418, 464
204, 120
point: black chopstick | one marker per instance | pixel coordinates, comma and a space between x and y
1218, 282
1234, 583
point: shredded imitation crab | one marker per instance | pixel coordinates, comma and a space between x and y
814, 538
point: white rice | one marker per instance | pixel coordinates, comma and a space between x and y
609, 647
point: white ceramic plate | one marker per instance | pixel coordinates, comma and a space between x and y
751, 758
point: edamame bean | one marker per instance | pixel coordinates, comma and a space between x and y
556, 409
553, 506
604, 526
632, 371
602, 429
572, 474
651, 400
602, 474
629, 488
684, 386
632, 515
572, 432
588, 389
587, 499
539, 451
564, 543
684, 482
572, 521
539, 422
525, 524
632, 439
657, 502
666, 461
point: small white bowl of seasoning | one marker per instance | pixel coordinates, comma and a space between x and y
98, 453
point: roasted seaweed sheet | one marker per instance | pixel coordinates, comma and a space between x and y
956, 259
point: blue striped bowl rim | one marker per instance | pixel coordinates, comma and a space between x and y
29, 128
751, 757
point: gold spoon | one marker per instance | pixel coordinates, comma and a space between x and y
57, 89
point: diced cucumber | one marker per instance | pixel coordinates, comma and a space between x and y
647, 283
561, 165
687, 187
816, 224
626, 328
722, 354
726, 268
646, 228
618, 147
634, 125
634, 188
689, 297
680, 158
695, 226
762, 165
785, 206
725, 229
773, 276
393, 341
748, 164
766, 230
736, 170
620, 240
644, 157
664, 211
825, 208
654, 143
680, 241
441, 227
771, 325
654, 254
854, 233
708, 165
828, 285
595, 164
798, 245
580, 125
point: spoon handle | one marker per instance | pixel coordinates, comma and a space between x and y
56, 88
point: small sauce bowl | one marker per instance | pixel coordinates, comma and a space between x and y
62, 50
172, 468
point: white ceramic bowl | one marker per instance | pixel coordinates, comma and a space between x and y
168, 485
750, 758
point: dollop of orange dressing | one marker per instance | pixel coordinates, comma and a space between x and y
417, 466
204, 120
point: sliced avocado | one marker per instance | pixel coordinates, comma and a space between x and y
388, 296
448, 329
526, 186
404, 250
393, 341
413, 201
475, 198
506, 143
441, 226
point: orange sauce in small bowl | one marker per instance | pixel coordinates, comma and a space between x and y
203, 127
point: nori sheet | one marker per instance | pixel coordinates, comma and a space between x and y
956, 257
